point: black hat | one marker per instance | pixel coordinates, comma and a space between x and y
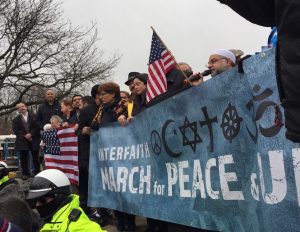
131, 76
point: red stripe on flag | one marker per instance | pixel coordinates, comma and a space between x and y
66, 135
154, 90
160, 76
69, 144
158, 83
66, 162
69, 153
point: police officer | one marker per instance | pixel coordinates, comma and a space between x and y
4, 178
50, 194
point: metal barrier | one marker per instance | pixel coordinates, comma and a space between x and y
8, 153
7, 146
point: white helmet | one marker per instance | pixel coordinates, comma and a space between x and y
48, 182
2, 163
3, 169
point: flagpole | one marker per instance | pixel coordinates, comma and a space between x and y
172, 56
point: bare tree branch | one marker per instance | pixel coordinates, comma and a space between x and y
40, 50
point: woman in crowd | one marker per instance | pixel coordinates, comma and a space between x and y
139, 105
110, 110
112, 105
139, 99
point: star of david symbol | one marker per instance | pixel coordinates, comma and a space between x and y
190, 126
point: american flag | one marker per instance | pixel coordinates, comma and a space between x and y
160, 63
61, 151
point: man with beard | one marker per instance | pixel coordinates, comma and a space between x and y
221, 61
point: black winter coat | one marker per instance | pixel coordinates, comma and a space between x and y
46, 111
85, 119
285, 15
110, 113
19, 130
73, 119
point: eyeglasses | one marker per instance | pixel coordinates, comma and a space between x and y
213, 61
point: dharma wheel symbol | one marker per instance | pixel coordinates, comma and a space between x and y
231, 123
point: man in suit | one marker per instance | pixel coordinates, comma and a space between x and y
27, 139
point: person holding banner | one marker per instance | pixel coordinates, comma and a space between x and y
112, 108
129, 81
90, 105
112, 105
125, 96
139, 98
140, 87
221, 61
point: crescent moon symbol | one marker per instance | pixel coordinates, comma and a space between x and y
163, 135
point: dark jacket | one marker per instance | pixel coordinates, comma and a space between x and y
260, 12
46, 111
20, 131
108, 113
73, 119
85, 119
285, 15
175, 82
139, 104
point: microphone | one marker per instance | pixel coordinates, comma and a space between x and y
197, 76
206, 73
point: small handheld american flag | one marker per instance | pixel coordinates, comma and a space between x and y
160, 63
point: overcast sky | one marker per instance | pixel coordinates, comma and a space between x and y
190, 28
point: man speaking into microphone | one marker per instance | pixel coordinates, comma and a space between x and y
219, 61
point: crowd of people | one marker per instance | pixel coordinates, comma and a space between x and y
50, 193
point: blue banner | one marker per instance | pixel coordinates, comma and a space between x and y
214, 157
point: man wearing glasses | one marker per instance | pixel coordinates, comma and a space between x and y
221, 61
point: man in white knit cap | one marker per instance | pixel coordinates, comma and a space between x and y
220, 61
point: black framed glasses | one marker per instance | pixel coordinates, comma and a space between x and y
213, 61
